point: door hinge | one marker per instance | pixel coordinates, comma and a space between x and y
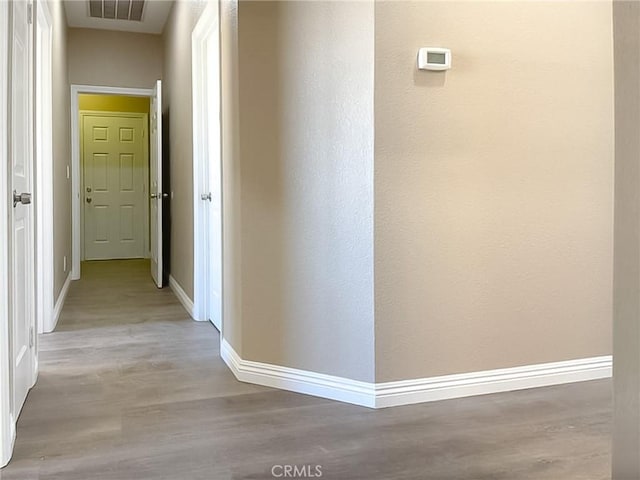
32, 339
30, 13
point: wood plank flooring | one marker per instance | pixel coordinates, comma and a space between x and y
131, 389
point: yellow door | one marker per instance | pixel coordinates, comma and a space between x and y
115, 170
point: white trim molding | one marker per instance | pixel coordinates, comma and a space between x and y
179, 292
76, 250
407, 392
45, 259
300, 381
57, 310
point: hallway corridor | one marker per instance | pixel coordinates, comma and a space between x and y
126, 368
131, 389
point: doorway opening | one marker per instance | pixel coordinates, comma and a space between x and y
117, 175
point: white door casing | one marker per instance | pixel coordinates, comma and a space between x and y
155, 188
207, 167
76, 177
115, 164
21, 242
214, 290
43, 201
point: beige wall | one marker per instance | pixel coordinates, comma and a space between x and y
306, 150
61, 149
492, 183
626, 351
231, 231
178, 110
114, 59
493, 186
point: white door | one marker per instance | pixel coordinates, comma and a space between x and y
207, 166
114, 171
21, 248
155, 176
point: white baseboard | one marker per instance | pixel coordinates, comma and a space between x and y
179, 292
301, 381
406, 392
57, 309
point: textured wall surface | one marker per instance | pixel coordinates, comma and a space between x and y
114, 59
493, 186
232, 224
306, 137
61, 148
626, 342
178, 108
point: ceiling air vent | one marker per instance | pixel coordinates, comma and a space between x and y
117, 9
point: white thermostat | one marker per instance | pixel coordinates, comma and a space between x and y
434, 58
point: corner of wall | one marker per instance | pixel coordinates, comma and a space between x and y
61, 148
177, 105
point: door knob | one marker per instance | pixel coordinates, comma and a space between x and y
89, 199
23, 198
206, 196
154, 195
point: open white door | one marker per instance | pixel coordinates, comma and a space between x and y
21, 241
155, 174
207, 171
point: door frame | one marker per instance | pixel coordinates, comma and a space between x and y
208, 25
76, 180
7, 429
44, 260
145, 120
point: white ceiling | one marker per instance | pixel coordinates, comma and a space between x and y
154, 17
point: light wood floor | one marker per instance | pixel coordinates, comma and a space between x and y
131, 389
